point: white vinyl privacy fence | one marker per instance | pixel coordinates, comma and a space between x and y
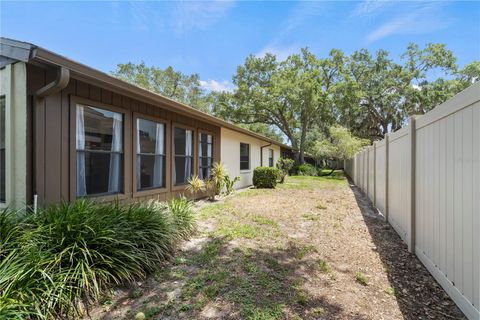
425, 180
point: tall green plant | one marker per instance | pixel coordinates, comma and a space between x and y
63, 257
284, 166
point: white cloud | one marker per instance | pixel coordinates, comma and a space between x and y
190, 15
280, 52
369, 7
417, 19
213, 85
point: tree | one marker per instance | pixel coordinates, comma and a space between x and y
291, 95
167, 82
263, 129
341, 145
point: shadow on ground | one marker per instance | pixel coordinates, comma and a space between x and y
219, 281
417, 293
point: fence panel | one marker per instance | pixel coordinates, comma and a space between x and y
425, 178
398, 188
380, 177
371, 174
447, 199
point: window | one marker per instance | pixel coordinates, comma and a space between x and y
270, 157
2, 149
205, 155
99, 143
150, 154
244, 156
183, 150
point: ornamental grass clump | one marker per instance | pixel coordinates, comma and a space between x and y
57, 262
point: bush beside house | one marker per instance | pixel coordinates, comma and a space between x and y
265, 177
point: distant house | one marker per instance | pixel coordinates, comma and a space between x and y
70, 131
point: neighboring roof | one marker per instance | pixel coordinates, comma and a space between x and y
14, 50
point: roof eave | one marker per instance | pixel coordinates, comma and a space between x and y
84, 72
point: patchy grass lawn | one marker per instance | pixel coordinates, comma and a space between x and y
311, 249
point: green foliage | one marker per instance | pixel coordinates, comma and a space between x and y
230, 184
215, 184
291, 95
167, 82
195, 185
284, 166
263, 129
305, 169
265, 177
62, 258
361, 278
341, 145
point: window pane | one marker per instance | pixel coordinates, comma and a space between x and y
179, 141
244, 149
102, 174
99, 127
99, 143
151, 137
2, 149
183, 170
152, 171
244, 156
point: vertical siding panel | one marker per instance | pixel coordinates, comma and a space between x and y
116, 99
467, 212
450, 197
458, 201
442, 203
436, 198
81, 89
106, 96
476, 205
432, 189
419, 190
65, 146
95, 93
53, 134
421, 198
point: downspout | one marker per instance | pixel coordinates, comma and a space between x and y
60, 83
63, 77
261, 153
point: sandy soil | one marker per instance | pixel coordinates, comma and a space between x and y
314, 248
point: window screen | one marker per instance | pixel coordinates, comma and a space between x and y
150, 154
270, 157
99, 144
183, 159
244, 156
205, 155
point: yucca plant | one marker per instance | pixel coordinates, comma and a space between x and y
195, 185
230, 184
216, 182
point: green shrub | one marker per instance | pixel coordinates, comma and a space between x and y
56, 261
305, 169
265, 177
284, 166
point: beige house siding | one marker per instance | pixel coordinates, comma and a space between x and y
13, 85
230, 155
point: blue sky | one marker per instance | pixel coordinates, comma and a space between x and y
213, 38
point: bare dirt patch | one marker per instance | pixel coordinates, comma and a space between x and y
314, 248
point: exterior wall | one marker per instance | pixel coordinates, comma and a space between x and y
230, 155
54, 163
429, 173
13, 83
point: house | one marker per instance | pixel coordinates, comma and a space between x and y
69, 131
